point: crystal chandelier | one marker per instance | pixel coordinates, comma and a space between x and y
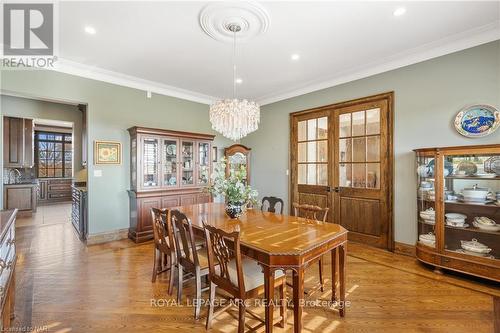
234, 118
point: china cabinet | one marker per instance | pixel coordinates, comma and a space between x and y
458, 200
238, 155
168, 168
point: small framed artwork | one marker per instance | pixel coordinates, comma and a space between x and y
107, 152
214, 154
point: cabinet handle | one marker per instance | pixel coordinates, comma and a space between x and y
446, 260
9, 264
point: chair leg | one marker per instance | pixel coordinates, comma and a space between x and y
179, 283
198, 296
155, 267
282, 292
321, 280
211, 303
241, 316
172, 275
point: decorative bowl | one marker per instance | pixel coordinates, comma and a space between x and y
474, 246
475, 193
495, 227
428, 215
467, 167
456, 223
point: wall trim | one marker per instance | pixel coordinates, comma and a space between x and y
454, 43
107, 236
96, 73
404, 249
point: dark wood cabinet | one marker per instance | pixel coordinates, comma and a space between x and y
8, 257
79, 211
237, 156
21, 196
54, 190
18, 142
168, 169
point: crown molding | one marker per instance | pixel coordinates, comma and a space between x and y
100, 74
454, 43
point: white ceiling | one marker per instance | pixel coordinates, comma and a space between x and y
160, 46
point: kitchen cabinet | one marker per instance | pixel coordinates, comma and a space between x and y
53, 190
21, 196
18, 141
8, 258
168, 168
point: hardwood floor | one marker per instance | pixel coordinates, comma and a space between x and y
63, 286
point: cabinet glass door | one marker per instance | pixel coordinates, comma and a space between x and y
150, 162
188, 161
169, 162
426, 199
203, 163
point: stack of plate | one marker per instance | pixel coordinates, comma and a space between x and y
427, 239
485, 223
456, 220
428, 215
473, 247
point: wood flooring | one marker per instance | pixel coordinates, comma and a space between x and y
64, 286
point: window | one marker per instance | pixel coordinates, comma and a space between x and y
313, 151
53, 154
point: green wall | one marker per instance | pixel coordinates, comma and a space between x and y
427, 97
111, 110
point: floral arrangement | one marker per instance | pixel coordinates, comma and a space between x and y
234, 188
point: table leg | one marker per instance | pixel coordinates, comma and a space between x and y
298, 297
334, 274
342, 263
269, 297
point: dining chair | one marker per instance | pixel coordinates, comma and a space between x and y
240, 277
315, 213
270, 204
164, 253
191, 258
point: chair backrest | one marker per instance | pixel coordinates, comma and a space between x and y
184, 240
162, 236
310, 212
222, 247
271, 204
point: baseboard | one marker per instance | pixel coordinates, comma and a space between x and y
108, 236
404, 249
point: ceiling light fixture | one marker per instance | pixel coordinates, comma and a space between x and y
90, 30
239, 81
234, 118
295, 56
399, 11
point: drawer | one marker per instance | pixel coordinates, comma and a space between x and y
60, 181
59, 195
471, 267
59, 187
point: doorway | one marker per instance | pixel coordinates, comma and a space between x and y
342, 158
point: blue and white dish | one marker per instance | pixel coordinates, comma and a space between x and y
477, 121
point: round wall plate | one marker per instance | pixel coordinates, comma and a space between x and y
250, 16
477, 121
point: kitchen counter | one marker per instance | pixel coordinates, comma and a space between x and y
33, 183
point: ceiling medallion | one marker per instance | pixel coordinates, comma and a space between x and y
234, 118
250, 16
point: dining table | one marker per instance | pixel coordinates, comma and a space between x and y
280, 242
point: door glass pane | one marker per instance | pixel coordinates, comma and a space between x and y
358, 175
358, 149
373, 175
373, 148
169, 163
302, 174
322, 174
345, 152
302, 131
150, 162
311, 151
311, 174
345, 125
311, 129
302, 152
187, 163
373, 121
358, 123
322, 151
345, 173
203, 156
322, 128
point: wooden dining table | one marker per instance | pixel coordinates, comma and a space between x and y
280, 242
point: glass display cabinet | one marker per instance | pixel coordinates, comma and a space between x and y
168, 168
238, 155
458, 202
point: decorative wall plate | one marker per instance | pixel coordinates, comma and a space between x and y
477, 121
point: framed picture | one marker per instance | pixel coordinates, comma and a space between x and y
477, 121
214, 154
107, 152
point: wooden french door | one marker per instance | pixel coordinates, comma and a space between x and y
351, 173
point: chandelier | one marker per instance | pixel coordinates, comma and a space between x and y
232, 117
